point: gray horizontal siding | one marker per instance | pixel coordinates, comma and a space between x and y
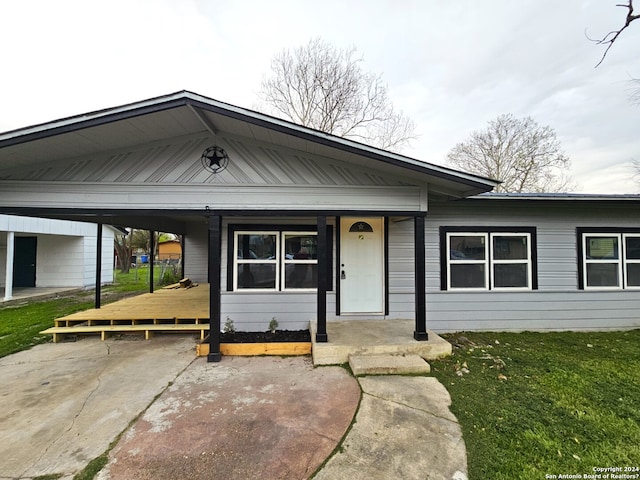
558, 304
556, 233
401, 258
196, 255
578, 310
254, 311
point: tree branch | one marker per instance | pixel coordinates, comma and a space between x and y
325, 88
610, 38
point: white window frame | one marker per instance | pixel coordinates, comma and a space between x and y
489, 261
628, 261
621, 261
526, 261
260, 261
286, 261
280, 261
604, 261
484, 262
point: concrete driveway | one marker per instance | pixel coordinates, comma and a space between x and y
62, 405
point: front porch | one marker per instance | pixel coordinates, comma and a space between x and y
184, 310
373, 337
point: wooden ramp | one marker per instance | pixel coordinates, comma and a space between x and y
165, 310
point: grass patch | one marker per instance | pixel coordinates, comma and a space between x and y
21, 324
532, 404
93, 467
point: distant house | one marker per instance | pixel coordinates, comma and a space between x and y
169, 250
40, 252
290, 223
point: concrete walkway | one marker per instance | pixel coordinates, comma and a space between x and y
61, 405
403, 429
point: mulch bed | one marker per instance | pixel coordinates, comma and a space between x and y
266, 337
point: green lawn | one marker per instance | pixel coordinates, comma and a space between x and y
20, 325
138, 278
537, 404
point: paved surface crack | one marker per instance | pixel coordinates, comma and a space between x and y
78, 413
435, 415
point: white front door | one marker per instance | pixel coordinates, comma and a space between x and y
362, 265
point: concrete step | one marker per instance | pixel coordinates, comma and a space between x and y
388, 364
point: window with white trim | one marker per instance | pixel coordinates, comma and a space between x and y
275, 260
610, 260
488, 260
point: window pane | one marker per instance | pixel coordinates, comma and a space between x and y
257, 275
602, 275
301, 275
633, 248
602, 247
301, 247
633, 275
467, 275
510, 275
510, 248
256, 246
469, 247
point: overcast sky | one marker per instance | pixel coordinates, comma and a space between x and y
450, 65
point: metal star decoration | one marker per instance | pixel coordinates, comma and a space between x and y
214, 159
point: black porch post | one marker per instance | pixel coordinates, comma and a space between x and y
98, 265
182, 273
420, 332
152, 249
323, 279
215, 249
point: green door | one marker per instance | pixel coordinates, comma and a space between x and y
24, 262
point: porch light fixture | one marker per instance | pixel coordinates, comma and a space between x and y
214, 159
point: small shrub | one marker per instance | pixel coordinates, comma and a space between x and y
228, 326
273, 325
170, 275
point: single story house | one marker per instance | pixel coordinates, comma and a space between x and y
284, 221
42, 253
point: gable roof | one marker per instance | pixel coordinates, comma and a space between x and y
184, 113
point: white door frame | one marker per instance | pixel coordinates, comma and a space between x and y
361, 271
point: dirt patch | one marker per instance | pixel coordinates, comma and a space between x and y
266, 337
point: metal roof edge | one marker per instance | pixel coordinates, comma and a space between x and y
556, 196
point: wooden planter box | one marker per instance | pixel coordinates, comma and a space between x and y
253, 349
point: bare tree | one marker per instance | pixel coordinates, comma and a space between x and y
635, 170
610, 38
322, 87
524, 156
134, 240
122, 245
